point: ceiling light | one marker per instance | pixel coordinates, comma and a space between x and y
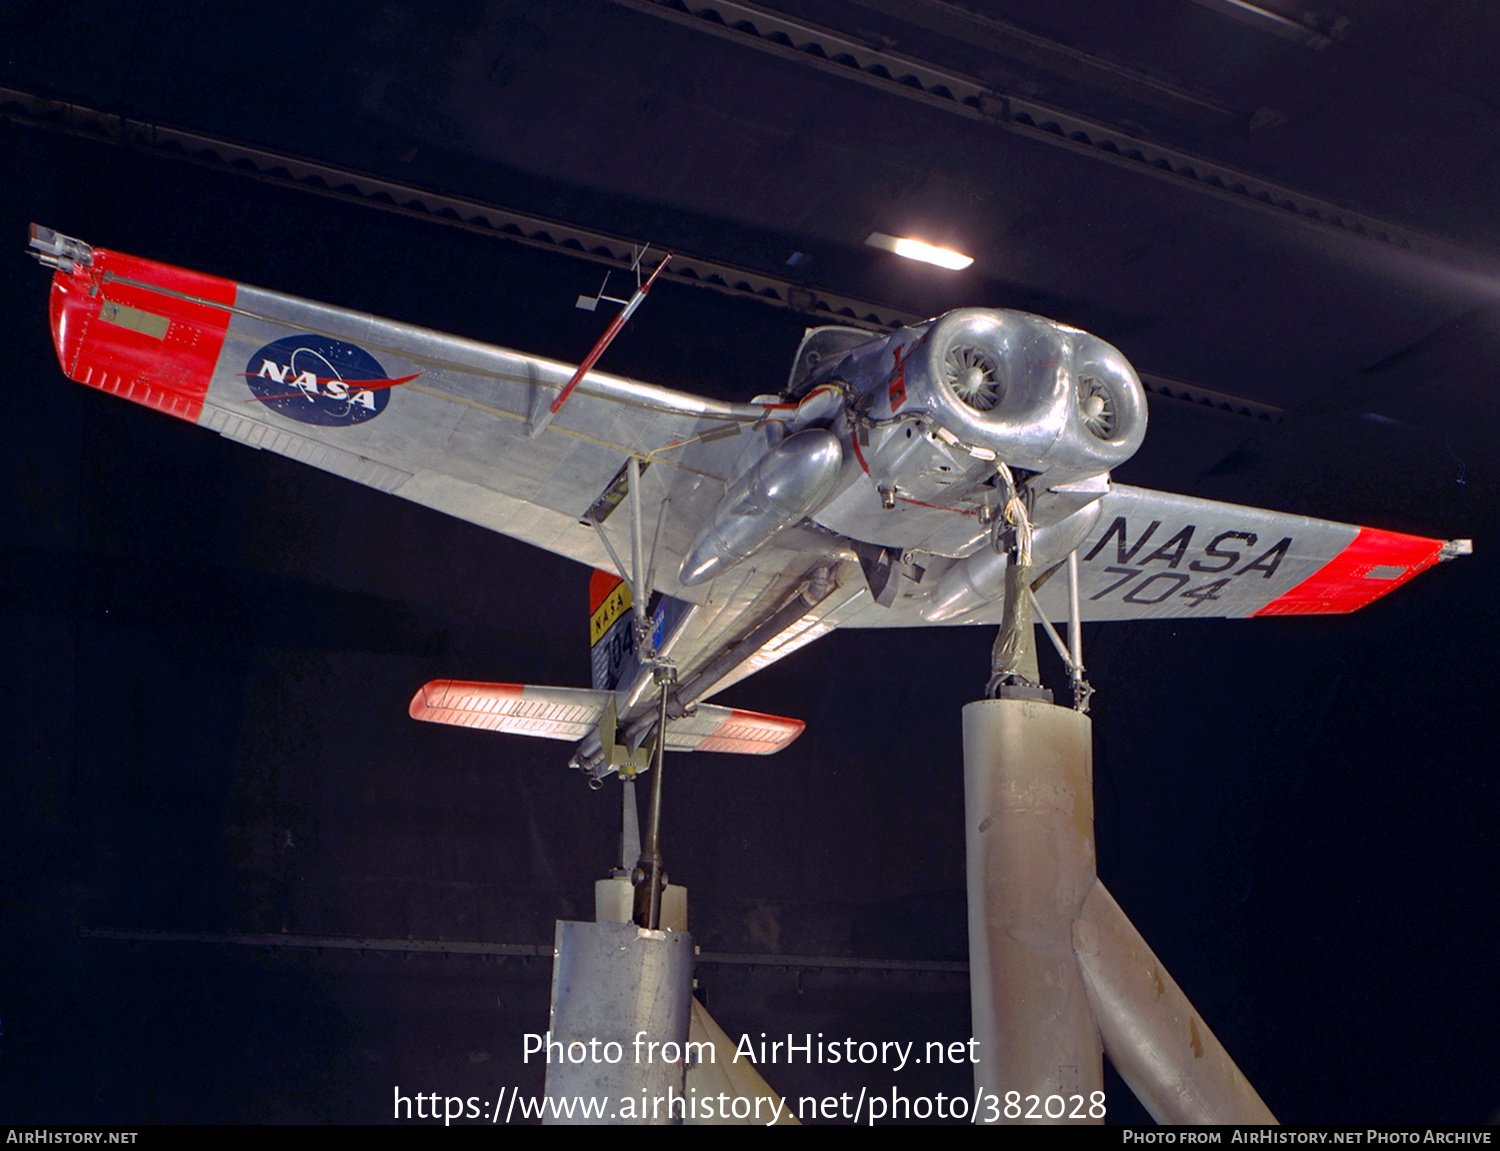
1276, 22
916, 250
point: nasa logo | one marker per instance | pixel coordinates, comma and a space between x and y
320, 380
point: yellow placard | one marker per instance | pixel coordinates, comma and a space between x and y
616, 604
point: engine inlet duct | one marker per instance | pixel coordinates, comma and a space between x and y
973, 376
1041, 395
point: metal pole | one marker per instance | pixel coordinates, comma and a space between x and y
630, 828
1014, 653
650, 873
638, 592
1075, 630
604, 341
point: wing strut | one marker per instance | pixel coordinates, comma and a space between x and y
638, 577
1072, 654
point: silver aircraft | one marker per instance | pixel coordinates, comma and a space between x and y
895, 482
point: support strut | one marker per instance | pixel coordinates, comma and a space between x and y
650, 873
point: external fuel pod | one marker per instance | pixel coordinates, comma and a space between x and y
978, 579
791, 480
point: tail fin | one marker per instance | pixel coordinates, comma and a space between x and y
611, 634
613, 659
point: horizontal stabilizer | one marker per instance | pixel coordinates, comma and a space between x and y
573, 713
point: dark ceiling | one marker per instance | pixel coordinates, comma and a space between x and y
1284, 217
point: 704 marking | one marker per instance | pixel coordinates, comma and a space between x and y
1173, 581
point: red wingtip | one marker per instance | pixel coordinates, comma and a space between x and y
753, 733
1375, 563
442, 695
148, 332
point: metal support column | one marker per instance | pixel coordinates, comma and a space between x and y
630, 989
1029, 813
622, 991
1156, 1040
1057, 973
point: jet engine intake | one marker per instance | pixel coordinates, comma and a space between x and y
1035, 394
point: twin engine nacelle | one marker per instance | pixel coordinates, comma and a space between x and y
921, 419
1013, 387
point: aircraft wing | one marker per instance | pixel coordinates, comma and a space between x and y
450, 423
1156, 555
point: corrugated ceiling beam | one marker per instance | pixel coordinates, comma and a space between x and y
365, 945
912, 79
407, 199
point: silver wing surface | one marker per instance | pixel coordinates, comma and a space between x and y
1155, 555
443, 421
